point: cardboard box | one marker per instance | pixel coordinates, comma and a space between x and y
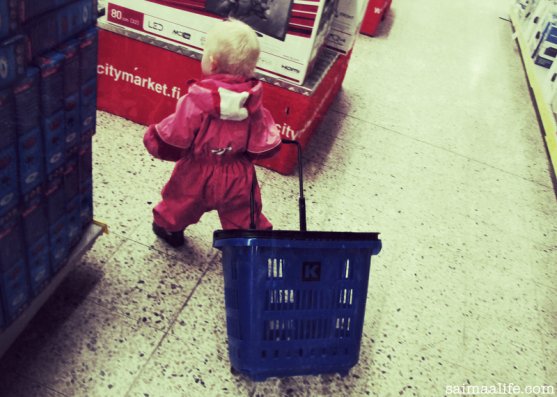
52, 82
38, 265
71, 175
547, 48
35, 230
59, 244
88, 47
54, 28
524, 8
9, 192
549, 87
13, 60
2, 319
30, 158
73, 220
14, 287
8, 17
534, 26
88, 107
55, 197
34, 217
346, 25
86, 163
373, 15
290, 57
72, 121
71, 53
54, 140
27, 101
86, 204
7, 118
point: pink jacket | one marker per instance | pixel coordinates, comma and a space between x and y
220, 115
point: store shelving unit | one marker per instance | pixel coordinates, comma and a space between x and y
536, 75
10, 334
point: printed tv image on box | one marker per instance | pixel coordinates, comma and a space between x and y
269, 17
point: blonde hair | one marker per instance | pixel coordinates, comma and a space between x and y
234, 47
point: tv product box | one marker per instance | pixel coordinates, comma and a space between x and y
9, 193
88, 54
547, 48
14, 287
291, 35
59, 244
27, 101
13, 60
8, 17
72, 118
52, 82
70, 50
374, 13
30, 159
53, 28
54, 141
346, 24
7, 118
55, 196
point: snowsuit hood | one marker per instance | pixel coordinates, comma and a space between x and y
227, 97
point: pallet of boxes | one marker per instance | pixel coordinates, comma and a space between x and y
48, 57
150, 49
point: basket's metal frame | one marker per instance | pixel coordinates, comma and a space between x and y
301, 198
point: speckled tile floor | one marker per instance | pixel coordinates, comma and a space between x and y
433, 142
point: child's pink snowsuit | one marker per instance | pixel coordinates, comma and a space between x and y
216, 124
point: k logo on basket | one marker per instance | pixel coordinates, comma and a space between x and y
311, 271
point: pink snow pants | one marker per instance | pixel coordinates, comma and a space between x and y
199, 185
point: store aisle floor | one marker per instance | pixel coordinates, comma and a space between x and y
433, 142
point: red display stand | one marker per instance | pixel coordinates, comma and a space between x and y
375, 12
141, 81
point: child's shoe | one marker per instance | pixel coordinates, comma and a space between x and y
175, 239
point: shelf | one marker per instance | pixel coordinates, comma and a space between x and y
536, 75
10, 334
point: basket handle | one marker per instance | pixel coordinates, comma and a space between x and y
301, 198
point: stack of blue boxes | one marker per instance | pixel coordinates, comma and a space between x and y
48, 60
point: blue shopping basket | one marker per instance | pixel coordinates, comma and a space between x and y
295, 300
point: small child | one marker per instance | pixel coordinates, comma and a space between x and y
218, 126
